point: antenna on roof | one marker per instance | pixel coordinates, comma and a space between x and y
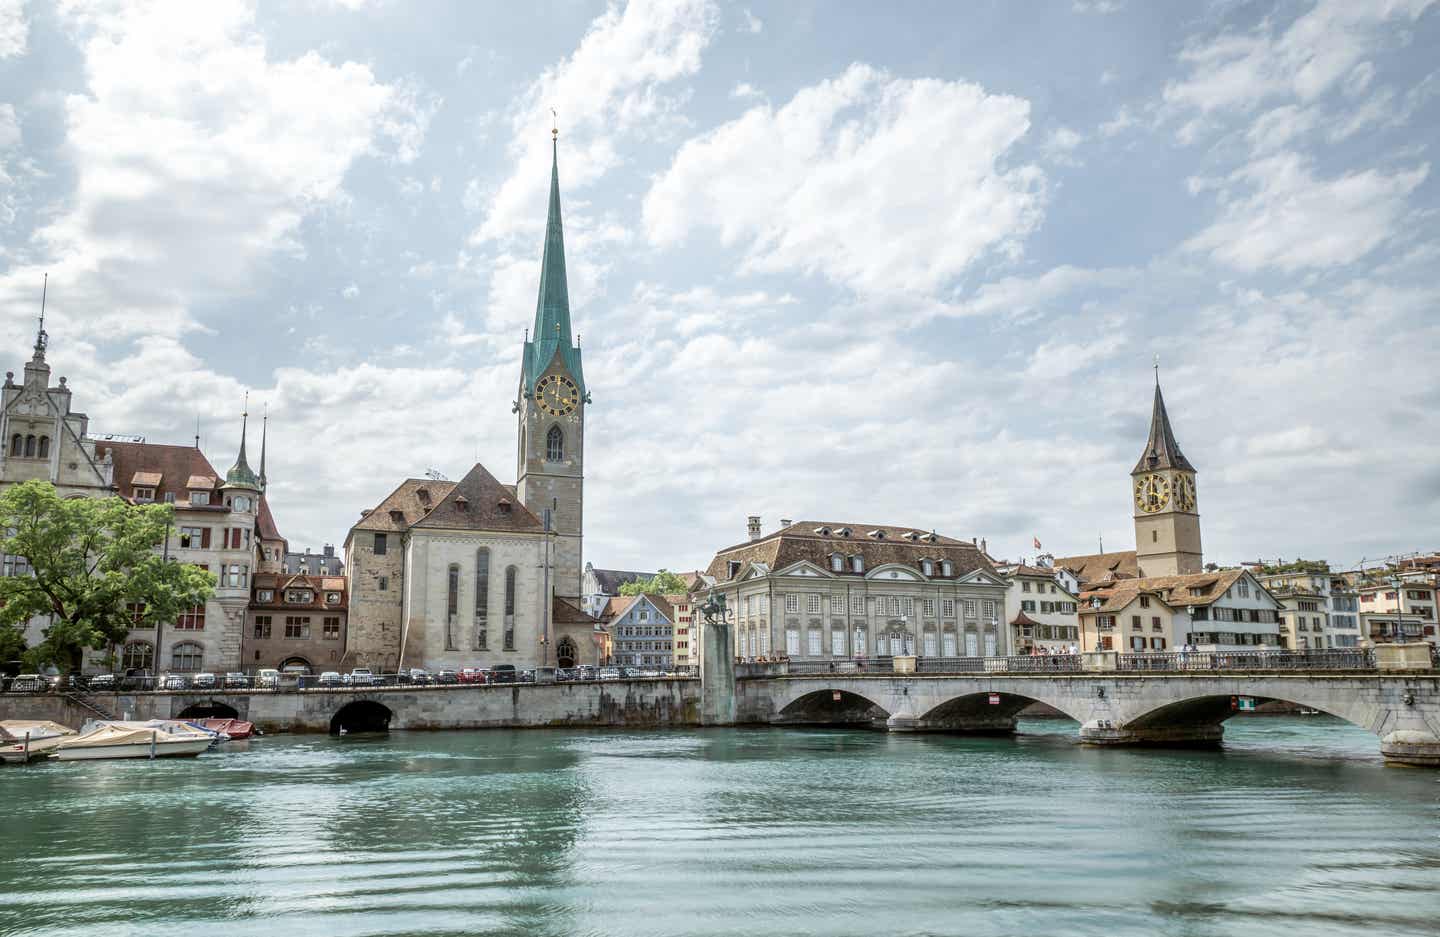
1102, 542
197, 431
435, 475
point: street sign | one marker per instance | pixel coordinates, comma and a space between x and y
994, 699
1246, 704
835, 695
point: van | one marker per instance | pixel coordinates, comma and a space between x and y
267, 679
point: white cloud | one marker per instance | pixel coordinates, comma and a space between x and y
351, 291
1021, 297
745, 91
195, 154
1102, 7
1239, 71
753, 23
9, 126
1122, 121
612, 85
1275, 212
880, 183
14, 28
1060, 146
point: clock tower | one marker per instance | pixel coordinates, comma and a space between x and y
550, 405
1167, 518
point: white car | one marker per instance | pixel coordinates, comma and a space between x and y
360, 676
267, 679
330, 678
609, 673
203, 681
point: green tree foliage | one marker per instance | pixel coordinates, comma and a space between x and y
662, 583
96, 572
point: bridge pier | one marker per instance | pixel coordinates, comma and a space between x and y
968, 724
1103, 732
1411, 747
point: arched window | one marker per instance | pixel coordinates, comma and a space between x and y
137, 655
857, 564
44, 447
187, 657
554, 445
927, 567
509, 608
946, 568
29, 445
837, 563
452, 605
17, 444
565, 653
482, 598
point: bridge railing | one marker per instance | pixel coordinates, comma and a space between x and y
1184, 661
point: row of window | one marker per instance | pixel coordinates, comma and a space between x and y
757, 644
894, 605
648, 631
30, 447
1258, 615
297, 627
1028, 605
1039, 586
839, 562
185, 657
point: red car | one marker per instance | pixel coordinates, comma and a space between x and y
472, 675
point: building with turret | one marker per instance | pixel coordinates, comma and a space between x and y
479, 573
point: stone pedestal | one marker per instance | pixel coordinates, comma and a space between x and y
1416, 748
1414, 656
1102, 732
717, 675
1100, 661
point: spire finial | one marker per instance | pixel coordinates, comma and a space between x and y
41, 339
1157, 369
264, 432
554, 125
197, 431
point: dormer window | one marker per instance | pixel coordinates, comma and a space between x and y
876, 535
397, 516
734, 568
423, 494
857, 564
910, 535
199, 497
144, 495
837, 563
823, 531
265, 595
842, 531
947, 568
927, 567
504, 505
299, 596
332, 598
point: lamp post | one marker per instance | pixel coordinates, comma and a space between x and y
1395, 581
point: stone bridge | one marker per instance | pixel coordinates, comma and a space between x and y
1403, 709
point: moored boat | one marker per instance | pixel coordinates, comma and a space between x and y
155, 739
235, 728
23, 740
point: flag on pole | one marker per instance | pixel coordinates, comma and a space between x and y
1037, 542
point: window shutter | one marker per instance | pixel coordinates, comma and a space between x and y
205, 538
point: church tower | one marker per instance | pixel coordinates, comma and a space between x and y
551, 406
1167, 516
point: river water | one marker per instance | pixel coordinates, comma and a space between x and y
1294, 829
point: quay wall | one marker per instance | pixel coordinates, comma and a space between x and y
624, 703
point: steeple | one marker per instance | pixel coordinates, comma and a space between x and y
240, 475
1161, 450
42, 339
264, 431
551, 334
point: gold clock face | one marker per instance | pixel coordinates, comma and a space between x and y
1152, 493
1184, 493
557, 395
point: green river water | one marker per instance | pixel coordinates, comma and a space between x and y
1295, 828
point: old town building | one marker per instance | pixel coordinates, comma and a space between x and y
1224, 610
642, 629
1040, 609
476, 572
295, 622
1398, 608
821, 590
598, 586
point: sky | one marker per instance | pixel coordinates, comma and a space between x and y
875, 263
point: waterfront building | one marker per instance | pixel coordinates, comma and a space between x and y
295, 622
1392, 611
687, 635
820, 590
642, 629
1042, 613
324, 563
475, 572
598, 586
1167, 514
1223, 610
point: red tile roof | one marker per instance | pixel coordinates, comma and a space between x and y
174, 465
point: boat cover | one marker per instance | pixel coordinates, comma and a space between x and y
17, 729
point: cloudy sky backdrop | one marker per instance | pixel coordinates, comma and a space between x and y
847, 261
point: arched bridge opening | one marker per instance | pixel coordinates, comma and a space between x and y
979, 713
1199, 720
359, 717
831, 707
209, 709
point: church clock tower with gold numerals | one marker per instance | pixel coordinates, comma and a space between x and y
551, 406
1167, 516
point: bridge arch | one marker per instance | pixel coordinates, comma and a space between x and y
974, 712
209, 709
362, 715
832, 707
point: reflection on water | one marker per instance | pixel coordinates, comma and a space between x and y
1295, 828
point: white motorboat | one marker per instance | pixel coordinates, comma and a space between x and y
158, 738
23, 740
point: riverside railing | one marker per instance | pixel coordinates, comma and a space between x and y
1188, 661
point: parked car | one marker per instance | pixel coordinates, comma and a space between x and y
235, 680
29, 683
203, 681
502, 673
472, 675
267, 678
419, 676
101, 681
174, 681
330, 678
566, 674
609, 673
137, 680
527, 676
361, 676
587, 672
447, 677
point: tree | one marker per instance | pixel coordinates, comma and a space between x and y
94, 571
662, 583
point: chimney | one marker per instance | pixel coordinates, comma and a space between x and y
329, 549
785, 522
983, 548
753, 524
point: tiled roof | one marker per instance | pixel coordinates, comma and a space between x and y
1174, 591
807, 541
145, 479
565, 613
1161, 449
618, 605
277, 583
1101, 567
1023, 619
405, 500
265, 527
479, 502
173, 467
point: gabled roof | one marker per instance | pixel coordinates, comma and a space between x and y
1023, 619
1100, 567
167, 469
563, 612
876, 544
1161, 449
405, 500
1198, 589
479, 502
265, 527
278, 583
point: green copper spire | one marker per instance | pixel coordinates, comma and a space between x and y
552, 307
240, 474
